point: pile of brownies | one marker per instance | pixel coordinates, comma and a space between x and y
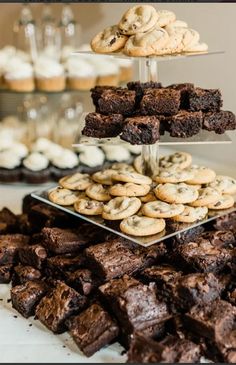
172, 302
142, 112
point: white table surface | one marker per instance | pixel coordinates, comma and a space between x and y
21, 342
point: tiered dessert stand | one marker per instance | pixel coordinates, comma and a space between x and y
148, 71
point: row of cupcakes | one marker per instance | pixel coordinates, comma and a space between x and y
48, 161
77, 72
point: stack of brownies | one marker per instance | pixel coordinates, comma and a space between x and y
171, 302
142, 112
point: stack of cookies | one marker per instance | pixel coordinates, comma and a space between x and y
181, 192
144, 31
142, 112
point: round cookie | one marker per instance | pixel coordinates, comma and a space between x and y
150, 197
138, 19
206, 196
132, 177
104, 177
76, 181
191, 214
174, 44
122, 166
88, 207
199, 47
178, 160
120, 208
173, 176
146, 44
142, 226
109, 40
224, 184
98, 192
129, 189
225, 202
159, 209
138, 164
190, 37
176, 24
176, 193
201, 175
63, 196
165, 17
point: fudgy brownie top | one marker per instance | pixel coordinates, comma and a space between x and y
97, 91
23, 274
9, 247
8, 221
162, 274
226, 222
33, 255
220, 239
182, 115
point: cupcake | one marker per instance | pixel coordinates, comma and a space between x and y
18, 75
107, 70
126, 69
10, 170
65, 163
91, 159
19, 149
36, 168
49, 75
117, 153
81, 74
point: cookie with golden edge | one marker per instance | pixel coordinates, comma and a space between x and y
129, 189
191, 214
76, 181
206, 196
88, 207
159, 209
176, 193
225, 202
140, 226
62, 196
98, 192
109, 40
120, 208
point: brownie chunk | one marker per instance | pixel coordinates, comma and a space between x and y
160, 101
33, 255
58, 266
170, 350
220, 239
207, 100
92, 329
119, 101
61, 241
83, 280
9, 247
25, 297
114, 258
184, 89
5, 273
135, 306
185, 124
203, 256
22, 274
219, 122
97, 91
141, 130
211, 321
189, 235
140, 87
102, 126
56, 307
226, 222
8, 221
197, 289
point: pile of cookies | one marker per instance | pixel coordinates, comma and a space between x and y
180, 191
145, 31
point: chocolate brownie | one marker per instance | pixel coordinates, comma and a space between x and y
140, 87
170, 350
102, 126
61, 241
188, 235
58, 266
22, 274
207, 100
212, 320
226, 222
97, 91
114, 258
141, 130
9, 247
92, 329
57, 306
8, 221
231, 297
83, 280
220, 239
24, 224
135, 306
184, 89
33, 255
203, 256
160, 101
25, 297
185, 124
219, 122
119, 101
5, 273
197, 288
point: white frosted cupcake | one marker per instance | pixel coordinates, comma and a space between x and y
10, 163
116, 153
91, 159
49, 75
65, 163
126, 69
18, 75
36, 169
81, 74
107, 71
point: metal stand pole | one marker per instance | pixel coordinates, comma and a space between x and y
150, 153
